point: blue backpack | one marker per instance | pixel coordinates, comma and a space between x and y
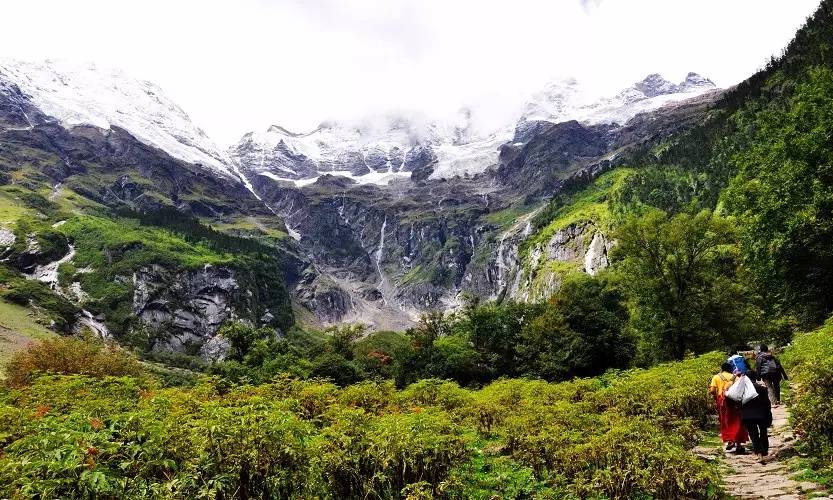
738, 363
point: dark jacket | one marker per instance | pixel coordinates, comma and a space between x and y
758, 408
759, 361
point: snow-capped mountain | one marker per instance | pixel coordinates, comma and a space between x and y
381, 150
377, 150
77, 94
564, 100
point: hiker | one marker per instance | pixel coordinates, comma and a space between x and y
769, 369
757, 417
732, 431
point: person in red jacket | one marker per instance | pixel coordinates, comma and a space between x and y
732, 431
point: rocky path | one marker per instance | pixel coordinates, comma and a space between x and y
746, 478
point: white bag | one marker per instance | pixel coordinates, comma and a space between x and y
742, 391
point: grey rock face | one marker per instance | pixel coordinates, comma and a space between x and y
215, 349
323, 297
581, 247
580, 243
16, 112
565, 245
595, 257
7, 239
191, 306
420, 161
553, 154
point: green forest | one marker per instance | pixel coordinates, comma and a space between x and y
724, 240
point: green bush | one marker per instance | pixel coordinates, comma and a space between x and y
75, 436
809, 363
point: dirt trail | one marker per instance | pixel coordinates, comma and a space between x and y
748, 479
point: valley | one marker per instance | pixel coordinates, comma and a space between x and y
399, 305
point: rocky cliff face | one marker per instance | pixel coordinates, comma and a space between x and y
187, 308
579, 247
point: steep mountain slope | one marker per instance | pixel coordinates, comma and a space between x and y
99, 228
105, 98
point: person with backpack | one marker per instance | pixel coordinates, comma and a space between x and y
757, 418
769, 369
732, 431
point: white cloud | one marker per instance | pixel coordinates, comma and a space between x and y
238, 66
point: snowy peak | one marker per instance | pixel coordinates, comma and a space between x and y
89, 95
376, 149
655, 85
555, 102
563, 100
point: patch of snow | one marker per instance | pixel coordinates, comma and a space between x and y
469, 158
563, 101
378, 178
295, 235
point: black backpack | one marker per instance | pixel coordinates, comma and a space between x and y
769, 367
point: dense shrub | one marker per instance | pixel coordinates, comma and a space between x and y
375, 353
69, 356
578, 332
76, 436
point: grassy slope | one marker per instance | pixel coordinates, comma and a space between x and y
18, 326
589, 204
250, 226
108, 248
10, 209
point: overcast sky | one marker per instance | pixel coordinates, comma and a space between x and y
240, 65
